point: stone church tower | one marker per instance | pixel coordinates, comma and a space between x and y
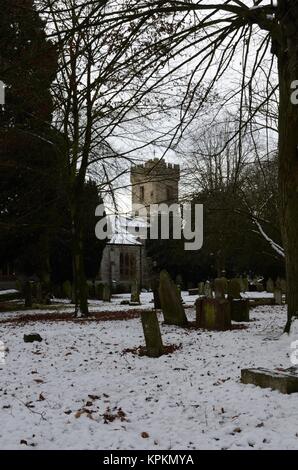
154, 182
124, 258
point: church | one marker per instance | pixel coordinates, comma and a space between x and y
124, 258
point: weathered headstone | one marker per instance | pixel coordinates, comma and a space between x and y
155, 291
220, 287
240, 310
154, 346
286, 381
277, 296
171, 303
208, 290
201, 288
234, 289
99, 291
213, 314
106, 293
278, 283
245, 284
270, 285
135, 292
283, 286
260, 287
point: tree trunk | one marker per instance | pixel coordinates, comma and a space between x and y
288, 155
79, 277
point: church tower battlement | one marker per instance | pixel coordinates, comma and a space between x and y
155, 182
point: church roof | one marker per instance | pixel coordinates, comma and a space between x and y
120, 230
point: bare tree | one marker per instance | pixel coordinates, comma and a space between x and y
258, 28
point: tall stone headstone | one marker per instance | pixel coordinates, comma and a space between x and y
208, 290
278, 283
171, 302
277, 296
106, 293
245, 284
270, 285
220, 288
201, 288
283, 286
135, 292
260, 286
154, 346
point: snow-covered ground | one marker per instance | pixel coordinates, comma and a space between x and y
77, 390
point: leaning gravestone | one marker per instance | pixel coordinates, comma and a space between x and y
170, 300
154, 346
270, 285
234, 289
220, 287
135, 292
208, 290
213, 314
277, 296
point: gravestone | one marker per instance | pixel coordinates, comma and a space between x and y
170, 300
99, 288
277, 296
278, 283
285, 381
283, 286
260, 287
106, 293
240, 310
220, 286
135, 292
155, 291
245, 284
270, 285
208, 290
153, 340
213, 314
201, 288
234, 289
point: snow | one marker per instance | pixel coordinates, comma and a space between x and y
8, 291
191, 399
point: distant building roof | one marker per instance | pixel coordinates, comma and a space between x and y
120, 226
